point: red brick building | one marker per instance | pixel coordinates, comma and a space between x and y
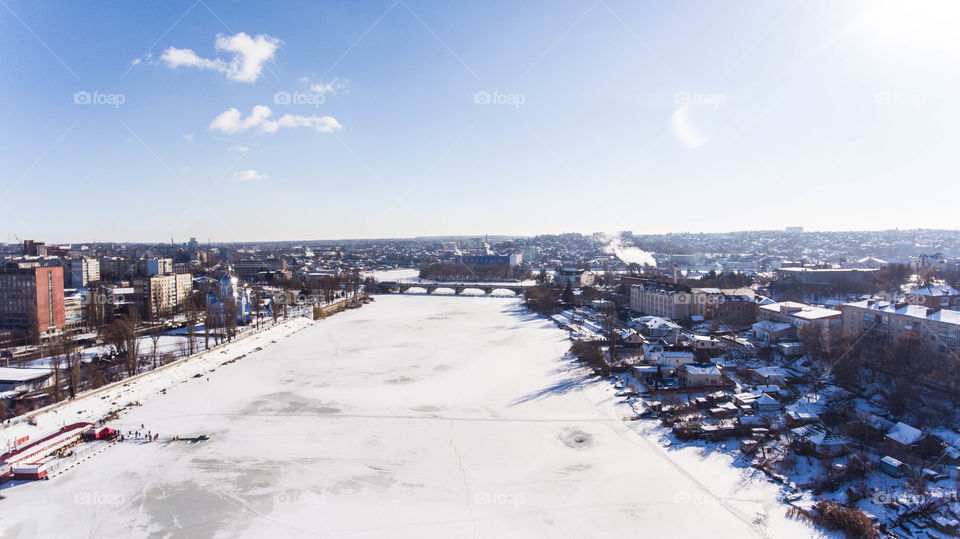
32, 295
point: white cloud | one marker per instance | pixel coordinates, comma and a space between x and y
249, 56
137, 61
247, 175
188, 137
231, 121
238, 148
175, 58
332, 87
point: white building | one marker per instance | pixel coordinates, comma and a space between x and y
23, 380
81, 271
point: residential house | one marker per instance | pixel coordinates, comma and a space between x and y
700, 374
821, 441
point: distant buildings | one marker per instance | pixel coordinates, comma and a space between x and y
113, 268
154, 266
257, 268
34, 248
483, 260
826, 277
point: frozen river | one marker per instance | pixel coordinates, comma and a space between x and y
414, 416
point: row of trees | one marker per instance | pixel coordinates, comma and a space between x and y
900, 367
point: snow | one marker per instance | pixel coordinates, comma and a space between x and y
399, 274
13, 374
414, 416
904, 434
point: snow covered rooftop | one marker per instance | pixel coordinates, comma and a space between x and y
944, 315
935, 291
818, 435
904, 434
771, 326
916, 311
890, 461
14, 374
706, 370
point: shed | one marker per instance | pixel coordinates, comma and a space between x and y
892, 466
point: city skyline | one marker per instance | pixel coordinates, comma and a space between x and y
401, 119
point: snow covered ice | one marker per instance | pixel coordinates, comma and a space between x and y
415, 416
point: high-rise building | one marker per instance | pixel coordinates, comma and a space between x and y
31, 297
113, 268
159, 295
82, 271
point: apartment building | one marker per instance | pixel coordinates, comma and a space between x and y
939, 329
81, 271
31, 294
736, 310
705, 302
159, 295
673, 302
114, 268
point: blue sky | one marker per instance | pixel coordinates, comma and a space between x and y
426, 118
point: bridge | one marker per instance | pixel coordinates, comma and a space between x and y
458, 287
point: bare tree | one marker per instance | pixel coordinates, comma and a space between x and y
230, 311
33, 327
122, 334
192, 314
611, 331
95, 315
255, 306
71, 354
209, 322
55, 360
155, 332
